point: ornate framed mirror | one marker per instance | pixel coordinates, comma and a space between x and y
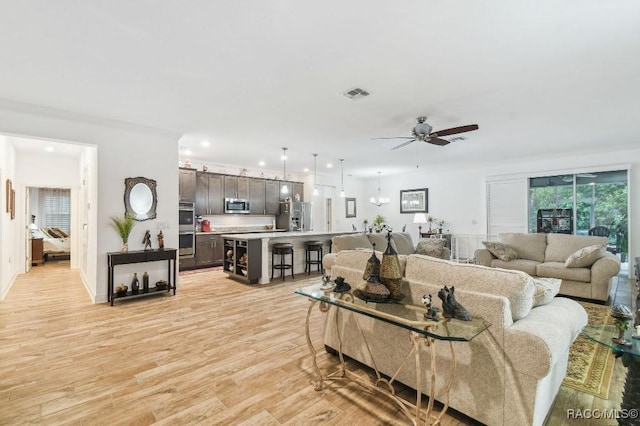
140, 198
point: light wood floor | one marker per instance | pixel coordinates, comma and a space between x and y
219, 352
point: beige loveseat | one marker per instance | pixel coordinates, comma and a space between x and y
401, 241
507, 375
544, 255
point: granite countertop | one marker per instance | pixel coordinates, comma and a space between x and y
286, 234
238, 231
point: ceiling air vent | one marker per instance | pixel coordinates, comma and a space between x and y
356, 93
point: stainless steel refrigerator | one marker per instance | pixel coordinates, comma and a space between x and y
295, 216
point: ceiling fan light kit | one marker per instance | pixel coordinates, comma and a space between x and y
423, 132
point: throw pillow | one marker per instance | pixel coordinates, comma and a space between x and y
585, 257
545, 290
431, 247
501, 250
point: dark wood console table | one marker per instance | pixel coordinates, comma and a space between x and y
142, 256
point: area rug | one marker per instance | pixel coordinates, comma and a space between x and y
591, 364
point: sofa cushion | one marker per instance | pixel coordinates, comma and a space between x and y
401, 242
516, 286
561, 246
431, 247
500, 250
558, 270
524, 265
528, 246
546, 290
585, 257
350, 242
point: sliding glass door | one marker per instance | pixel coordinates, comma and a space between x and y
583, 204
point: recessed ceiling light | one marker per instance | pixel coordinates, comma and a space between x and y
329, 165
187, 152
261, 163
49, 149
205, 143
306, 169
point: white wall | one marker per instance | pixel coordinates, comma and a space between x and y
123, 150
8, 228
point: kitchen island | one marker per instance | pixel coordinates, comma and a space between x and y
256, 247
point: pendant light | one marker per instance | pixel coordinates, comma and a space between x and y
341, 179
285, 188
379, 200
315, 175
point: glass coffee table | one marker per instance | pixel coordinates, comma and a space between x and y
423, 332
630, 354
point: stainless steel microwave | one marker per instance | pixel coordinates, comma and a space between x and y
235, 205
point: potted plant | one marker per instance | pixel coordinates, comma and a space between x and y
123, 226
378, 221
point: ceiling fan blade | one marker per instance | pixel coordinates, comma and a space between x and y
438, 141
403, 144
396, 137
455, 130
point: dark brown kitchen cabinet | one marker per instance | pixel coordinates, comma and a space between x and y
293, 189
257, 196
209, 250
187, 185
236, 187
298, 188
272, 197
209, 191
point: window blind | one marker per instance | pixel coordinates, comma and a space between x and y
55, 208
507, 206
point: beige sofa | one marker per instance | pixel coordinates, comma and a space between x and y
401, 241
507, 375
544, 255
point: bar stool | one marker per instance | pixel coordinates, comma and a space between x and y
313, 247
281, 249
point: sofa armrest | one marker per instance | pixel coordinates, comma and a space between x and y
484, 257
602, 271
606, 267
536, 342
328, 260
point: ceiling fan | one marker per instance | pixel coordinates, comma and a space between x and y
422, 132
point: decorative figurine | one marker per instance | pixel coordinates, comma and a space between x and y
341, 286
450, 306
160, 240
432, 312
146, 240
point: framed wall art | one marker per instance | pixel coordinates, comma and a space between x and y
7, 193
414, 200
13, 204
350, 207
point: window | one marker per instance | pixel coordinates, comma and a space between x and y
55, 208
590, 200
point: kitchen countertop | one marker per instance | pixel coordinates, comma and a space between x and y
285, 234
235, 231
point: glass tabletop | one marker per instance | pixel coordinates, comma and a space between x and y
604, 334
403, 315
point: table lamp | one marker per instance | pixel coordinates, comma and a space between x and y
420, 218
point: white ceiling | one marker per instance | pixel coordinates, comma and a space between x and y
540, 78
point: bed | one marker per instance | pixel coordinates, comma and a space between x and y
55, 242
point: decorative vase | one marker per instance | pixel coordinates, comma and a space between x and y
135, 284
145, 283
125, 247
390, 274
373, 266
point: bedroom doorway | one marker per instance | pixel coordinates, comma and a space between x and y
49, 225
